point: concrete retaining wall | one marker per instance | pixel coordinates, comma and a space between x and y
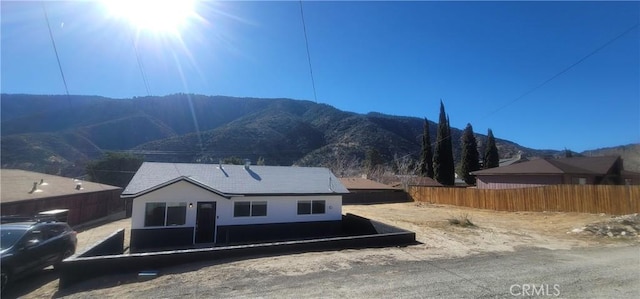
111, 245
76, 269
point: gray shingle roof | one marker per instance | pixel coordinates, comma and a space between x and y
235, 179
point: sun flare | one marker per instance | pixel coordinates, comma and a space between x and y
158, 16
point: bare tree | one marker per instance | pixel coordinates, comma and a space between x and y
406, 168
379, 173
344, 165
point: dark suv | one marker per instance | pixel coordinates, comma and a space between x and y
30, 246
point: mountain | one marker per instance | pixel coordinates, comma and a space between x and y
60, 134
629, 153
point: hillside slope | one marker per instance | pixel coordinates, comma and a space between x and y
58, 134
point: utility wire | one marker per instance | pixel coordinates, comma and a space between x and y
565, 69
55, 50
306, 41
144, 77
598, 49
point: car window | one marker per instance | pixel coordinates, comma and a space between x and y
54, 230
36, 235
8, 237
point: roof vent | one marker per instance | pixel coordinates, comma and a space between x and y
247, 164
79, 186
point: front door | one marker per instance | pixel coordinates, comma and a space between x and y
206, 222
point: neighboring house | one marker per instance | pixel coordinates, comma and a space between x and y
414, 180
519, 158
178, 205
362, 185
630, 177
548, 171
28, 193
365, 191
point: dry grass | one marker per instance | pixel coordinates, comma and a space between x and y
462, 220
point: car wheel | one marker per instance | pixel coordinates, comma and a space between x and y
67, 253
4, 279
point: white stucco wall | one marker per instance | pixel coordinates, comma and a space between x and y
279, 208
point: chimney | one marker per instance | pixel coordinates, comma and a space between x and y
247, 164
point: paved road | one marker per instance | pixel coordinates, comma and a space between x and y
578, 273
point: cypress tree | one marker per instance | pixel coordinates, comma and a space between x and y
443, 168
426, 159
450, 163
470, 156
491, 158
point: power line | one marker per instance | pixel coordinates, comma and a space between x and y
565, 69
598, 49
144, 77
306, 41
55, 50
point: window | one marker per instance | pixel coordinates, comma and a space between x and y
154, 214
259, 208
176, 213
308, 207
317, 207
242, 209
579, 181
249, 208
165, 214
304, 207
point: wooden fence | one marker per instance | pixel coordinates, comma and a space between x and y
83, 207
616, 200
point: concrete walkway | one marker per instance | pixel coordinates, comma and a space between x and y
91, 236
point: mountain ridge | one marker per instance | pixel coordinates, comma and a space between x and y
60, 134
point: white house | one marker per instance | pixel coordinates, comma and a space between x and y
178, 204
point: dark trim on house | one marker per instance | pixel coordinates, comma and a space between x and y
160, 238
154, 239
258, 233
176, 180
225, 195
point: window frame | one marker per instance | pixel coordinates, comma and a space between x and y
311, 206
251, 210
166, 206
183, 217
152, 221
259, 203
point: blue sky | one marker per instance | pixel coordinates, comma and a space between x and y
398, 58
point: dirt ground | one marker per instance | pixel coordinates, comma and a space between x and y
492, 232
